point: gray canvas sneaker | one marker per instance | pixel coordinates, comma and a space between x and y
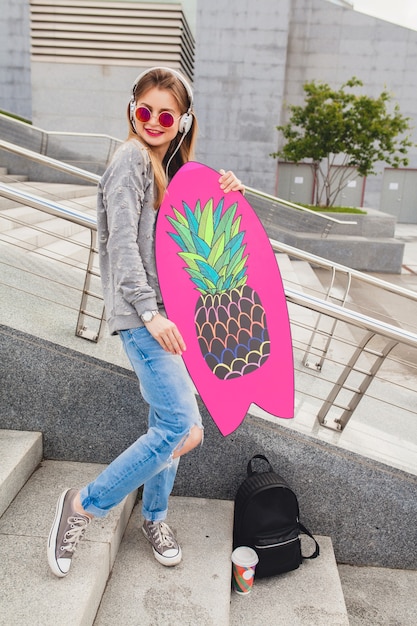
165, 547
67, 530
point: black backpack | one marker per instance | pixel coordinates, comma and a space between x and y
266, 519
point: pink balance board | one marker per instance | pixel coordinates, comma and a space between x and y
222, 287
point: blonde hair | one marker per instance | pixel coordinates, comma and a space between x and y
162, 78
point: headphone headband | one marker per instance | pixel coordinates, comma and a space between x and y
174, 73
186, 120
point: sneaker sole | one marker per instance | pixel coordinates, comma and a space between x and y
51, 548
164, 560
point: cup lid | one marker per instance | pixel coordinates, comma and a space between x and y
244, 556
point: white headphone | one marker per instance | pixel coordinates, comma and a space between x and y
186, 120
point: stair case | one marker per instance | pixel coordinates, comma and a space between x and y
58, 239
114, 578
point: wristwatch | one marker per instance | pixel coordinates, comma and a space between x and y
148, 316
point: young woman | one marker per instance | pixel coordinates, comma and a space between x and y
162, 132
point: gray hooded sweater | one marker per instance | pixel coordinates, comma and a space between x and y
126, 225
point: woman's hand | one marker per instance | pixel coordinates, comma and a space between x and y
166, 334
229, 182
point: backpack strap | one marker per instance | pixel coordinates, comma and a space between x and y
251, 471
317, 550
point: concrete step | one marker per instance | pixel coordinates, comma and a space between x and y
18, 223
378, 596
367, 245
20, 454
312, 594
75, 251
31, 238
298, 274
53, 191
301, 318
13, 215
140, 591
30, 594
197, 592
9, 179
20, 218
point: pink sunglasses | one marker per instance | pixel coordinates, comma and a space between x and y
165, 118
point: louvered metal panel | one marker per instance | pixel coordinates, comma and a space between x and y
113, 33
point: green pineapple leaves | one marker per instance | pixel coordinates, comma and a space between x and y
212, 246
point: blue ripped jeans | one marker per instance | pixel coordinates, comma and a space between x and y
167, 388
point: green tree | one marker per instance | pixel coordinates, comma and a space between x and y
343, 128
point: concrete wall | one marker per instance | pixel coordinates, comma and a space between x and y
15, 85
77, 97
331, 44
367, 508
251, 59
241, 49
254, 58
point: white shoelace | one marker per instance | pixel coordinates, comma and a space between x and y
162, 535
78, 526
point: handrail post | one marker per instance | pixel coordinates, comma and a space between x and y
320, 329
358, 391
89, 297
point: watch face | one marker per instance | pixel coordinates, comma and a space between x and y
147, 316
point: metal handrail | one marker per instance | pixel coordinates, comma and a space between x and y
299, 207
86, 221
76, 171
335, 413
317, 304
355, 318
45, 134
331, 265
56, 132
277, 245
391, 335
48, 206
49, 161
311, 302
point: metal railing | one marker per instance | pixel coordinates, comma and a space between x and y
86, 315
49, 161
338, 290
388, 336
92, 151
327, 218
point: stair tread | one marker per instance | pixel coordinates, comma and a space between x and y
197, 591
10, 179
140, 590
311, 594
25, 577
298, 274
56, 190
20, 453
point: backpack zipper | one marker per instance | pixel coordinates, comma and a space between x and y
275, 545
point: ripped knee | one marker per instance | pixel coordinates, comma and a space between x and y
193, 439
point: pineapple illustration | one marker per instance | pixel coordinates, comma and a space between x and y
229, 317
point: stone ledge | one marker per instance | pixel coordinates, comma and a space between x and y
71, 397
367, 246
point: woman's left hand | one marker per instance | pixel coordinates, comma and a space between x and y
229, 182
